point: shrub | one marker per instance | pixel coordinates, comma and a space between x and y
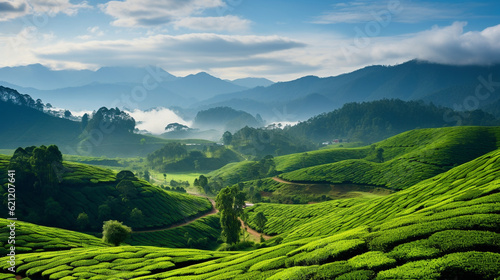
115, 232
372, 260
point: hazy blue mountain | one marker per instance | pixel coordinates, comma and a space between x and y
96, 95
412, 80
114, 86
24, 123
493, 108
41, 77
252, 82
201, 86
122, 74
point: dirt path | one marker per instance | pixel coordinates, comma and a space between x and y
180, 224
287, 182
253, 232
214, 210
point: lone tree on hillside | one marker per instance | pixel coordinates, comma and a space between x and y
230, 202
115, 232
227, 138
203, 182
380, 155
260, 221
82, 221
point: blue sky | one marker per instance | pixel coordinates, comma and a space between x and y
280, 40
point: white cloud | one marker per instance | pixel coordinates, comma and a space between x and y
94, 31
133, 13
395, 10
179, 14
224, 23
447, 45
188, 51
155, 120
12, 9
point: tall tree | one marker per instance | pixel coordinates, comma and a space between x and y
227, 137
380, 155
203, 182
260, 221
230, 202
147, 176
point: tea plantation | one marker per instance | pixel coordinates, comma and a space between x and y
98, 193
445, 226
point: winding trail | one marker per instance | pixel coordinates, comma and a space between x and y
214, 210
279, 180
253, 232
180, 224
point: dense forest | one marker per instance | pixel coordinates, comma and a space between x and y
226, 118
180, 157
373, 121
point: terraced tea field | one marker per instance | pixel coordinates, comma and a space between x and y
443, 227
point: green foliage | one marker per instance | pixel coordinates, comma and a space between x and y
259, 142
82, 221
179, 157
373, 260
377, 120
35, 238
467, 265
102, 195
260, 221
445, 227
115, 232
203, 232
395, 163
227, 137
127, 262
111, 120
230, 202
333, 269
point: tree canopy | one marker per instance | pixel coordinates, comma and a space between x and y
111, 119
114, 232
230, 202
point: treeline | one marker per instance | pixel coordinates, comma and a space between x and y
179, 157
226, 118
259, 142
265, 167
374, 121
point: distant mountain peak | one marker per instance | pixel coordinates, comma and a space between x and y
202, 75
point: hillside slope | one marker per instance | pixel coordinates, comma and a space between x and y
446, 227
394, 164
407, 158
23, 124
102, 196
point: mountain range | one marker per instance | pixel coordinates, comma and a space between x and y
128, 87
458, 87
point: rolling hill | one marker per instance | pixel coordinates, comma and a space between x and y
407, 159
23, 124
373, 121
101, 194
446, 227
